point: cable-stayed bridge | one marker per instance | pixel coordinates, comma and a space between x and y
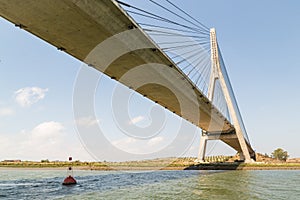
178, 57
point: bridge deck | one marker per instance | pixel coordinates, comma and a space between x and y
78, 26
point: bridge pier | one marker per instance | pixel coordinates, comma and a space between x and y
242, 156
202, 147
205, 136
239, 135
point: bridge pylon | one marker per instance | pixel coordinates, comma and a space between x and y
217, 74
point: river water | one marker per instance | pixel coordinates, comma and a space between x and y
46, 184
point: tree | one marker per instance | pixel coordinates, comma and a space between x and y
280, 154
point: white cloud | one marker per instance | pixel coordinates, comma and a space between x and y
27, 96
6, 111
124, 142
87, 121
44, 139
136, 120
128, 144
48, 140
47, 130
155, 141
140, 146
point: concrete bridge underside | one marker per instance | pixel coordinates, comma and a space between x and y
78, 26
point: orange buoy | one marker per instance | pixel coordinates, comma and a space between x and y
70, 180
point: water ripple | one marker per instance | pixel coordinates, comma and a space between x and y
154, 185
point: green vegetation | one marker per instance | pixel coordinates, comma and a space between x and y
216, 159
280, 154
32, 164
212, 163
163, 163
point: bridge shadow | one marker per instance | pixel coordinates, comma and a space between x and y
217, 166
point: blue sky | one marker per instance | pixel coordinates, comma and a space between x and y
259, 42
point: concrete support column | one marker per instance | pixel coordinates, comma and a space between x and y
202, 148
242, 156
218, 74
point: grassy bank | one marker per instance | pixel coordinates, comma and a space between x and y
155, 164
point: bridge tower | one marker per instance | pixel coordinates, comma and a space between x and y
217, 74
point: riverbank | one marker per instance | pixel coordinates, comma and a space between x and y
245, 166
155, 164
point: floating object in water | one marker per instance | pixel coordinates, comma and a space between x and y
70, 180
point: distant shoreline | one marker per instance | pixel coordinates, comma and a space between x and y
95, 169
148, 165
202, 168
